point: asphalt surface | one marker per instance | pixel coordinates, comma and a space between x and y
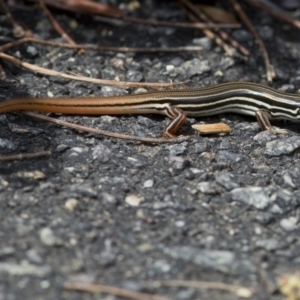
221, 208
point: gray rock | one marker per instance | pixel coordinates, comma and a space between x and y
207, 187
195, 67
282, 146
23, 269
255, 196
289, 224
101, 153
225, 180
7, 144
229, 157
223, 261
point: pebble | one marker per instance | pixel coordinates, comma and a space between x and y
255, 196
226, 62
178, 162
7, 144
228, 157
207, 187
179, 149
148, 183
109, 198
82, 190
23, 269
204, 42
226, 180
71, 204
47, 236
195, 67
133, 200
101, 153
32, 51
282, 146
216, 260
62, 148
268, 244
200, 147
34, 257
289, 224
263, 137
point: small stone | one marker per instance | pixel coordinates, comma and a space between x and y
195, 67
204, 42
62, 148
228, 157
109, 198
34, 257
263, 137
225, 180
133, 200
178, 162
226, 62
71, 204
6, 144
289, 224
180, 223
45, 284
200, 147
83, 190
254, 196
101, 153
207, 187
179, 149
268, 244
282, 146
148, 183
170, 68
135, 76
23, 269
32, 51
224, 261
47, 237
31, 175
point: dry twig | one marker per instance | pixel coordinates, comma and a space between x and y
275, 12
239, 290
104, 132
25, 155
192, 10
223, 34
9, 45
45, 71
55, 24
99, 288
269, 68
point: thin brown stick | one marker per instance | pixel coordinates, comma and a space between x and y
224, 35
237, 289
99, 288
55, 24
269, 68
275, 12
192, 8
196, 25
25, 155
98, 48
44, 71
104, 132
18, 30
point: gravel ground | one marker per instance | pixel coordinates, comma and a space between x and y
128, 214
